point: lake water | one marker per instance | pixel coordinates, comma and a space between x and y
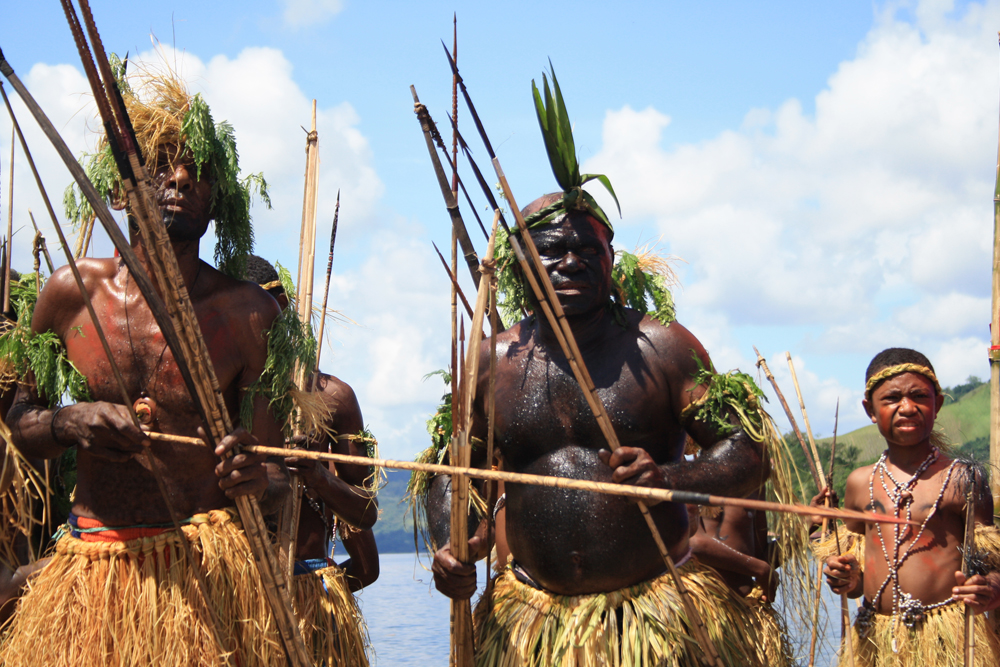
408, 619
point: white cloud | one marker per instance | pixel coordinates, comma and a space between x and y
301, 13
865, 222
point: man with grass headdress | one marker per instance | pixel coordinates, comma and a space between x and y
586, 583
120, 589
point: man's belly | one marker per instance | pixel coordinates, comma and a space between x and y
574, 542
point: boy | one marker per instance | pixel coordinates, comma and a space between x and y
915, 594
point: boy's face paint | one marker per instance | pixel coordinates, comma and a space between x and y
904, 408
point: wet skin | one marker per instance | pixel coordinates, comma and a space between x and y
904, 408
576, 542
340, 487
113, 483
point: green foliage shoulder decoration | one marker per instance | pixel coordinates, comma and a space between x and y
43, 354
288, 341
728, 395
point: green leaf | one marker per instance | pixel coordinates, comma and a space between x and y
606, 183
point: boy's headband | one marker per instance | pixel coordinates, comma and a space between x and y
892, 371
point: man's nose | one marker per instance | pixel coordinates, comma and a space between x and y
569, 262
907, 405
180, 179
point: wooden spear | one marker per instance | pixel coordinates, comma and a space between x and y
471, 259
461, 609
326, 288
624, 490
762, 364
10, 229
173, 312
147, 456
994, 352
552, 309
292, 508
805, 419
968, 547
44, 247
454, 282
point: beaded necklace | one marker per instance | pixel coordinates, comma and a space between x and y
904, 607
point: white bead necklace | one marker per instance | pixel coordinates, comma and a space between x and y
903, 605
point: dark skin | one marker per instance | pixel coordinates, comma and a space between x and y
114, 484
573, 542
341, 488
730, 543
904, 408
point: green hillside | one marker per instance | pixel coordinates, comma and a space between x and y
964, 422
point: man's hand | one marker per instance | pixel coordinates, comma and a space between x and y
981, 593
309, 471
633, 465
767, 579
842, 573
452, 577
243, 474
819, 500
105, 430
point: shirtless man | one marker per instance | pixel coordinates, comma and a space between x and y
570, 543
117, 499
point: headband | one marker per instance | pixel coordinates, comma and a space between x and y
898, 369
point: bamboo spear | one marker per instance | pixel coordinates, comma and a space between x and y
292, 508
147, 456
451, 277
994, 352
461, 456
10, 229
805, 419
44, 247
326, 288
762, 364
549, 303
177, 314
449, 198
968, 547
845, 613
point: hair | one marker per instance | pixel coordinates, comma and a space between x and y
894, 356
259, 270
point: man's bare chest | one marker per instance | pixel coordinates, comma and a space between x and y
140, 351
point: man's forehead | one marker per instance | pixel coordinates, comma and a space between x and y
572, 226
905, 380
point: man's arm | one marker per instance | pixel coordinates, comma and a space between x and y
254, 474
341, 488
731, 461
361, 569
100, 428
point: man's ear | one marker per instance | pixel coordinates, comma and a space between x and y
868, 408
939, 401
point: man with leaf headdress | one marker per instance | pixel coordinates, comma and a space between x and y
586, 583
120, 588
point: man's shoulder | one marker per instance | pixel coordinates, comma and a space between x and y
238, 298
335, 389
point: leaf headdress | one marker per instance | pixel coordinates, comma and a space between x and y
163, 112
557, 131
640, 281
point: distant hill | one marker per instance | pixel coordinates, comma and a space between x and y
394, 528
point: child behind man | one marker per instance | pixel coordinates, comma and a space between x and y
914, 592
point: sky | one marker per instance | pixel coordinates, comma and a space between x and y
823, 171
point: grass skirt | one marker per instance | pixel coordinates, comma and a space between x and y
640, 626
777, 652
939, 641
138, 603
331, 622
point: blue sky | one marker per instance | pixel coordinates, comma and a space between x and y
825, 169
